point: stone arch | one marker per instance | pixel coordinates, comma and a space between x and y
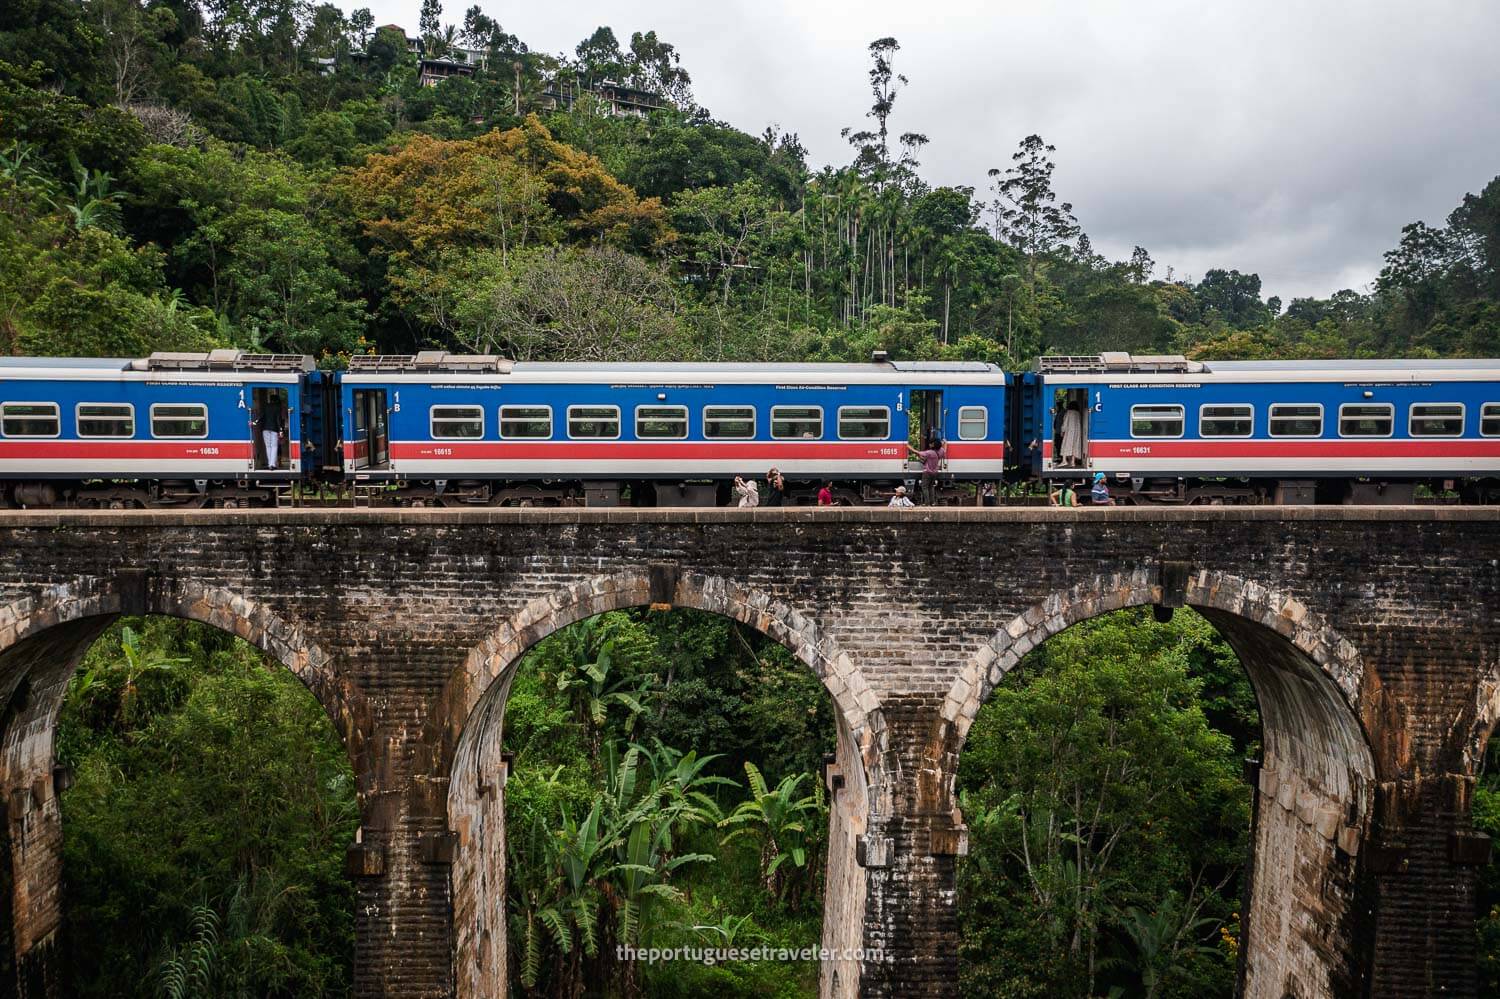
43, 637
1317, 780
471, 723
71, 603
1477, 730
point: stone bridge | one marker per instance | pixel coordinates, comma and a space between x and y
1370, 636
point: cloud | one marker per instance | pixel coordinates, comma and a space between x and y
1289, 139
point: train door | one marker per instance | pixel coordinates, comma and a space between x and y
926, 417
371, 443
268, 429
1070, 433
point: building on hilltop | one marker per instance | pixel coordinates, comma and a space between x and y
621, 100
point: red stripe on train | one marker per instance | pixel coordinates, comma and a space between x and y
685, 450
1383, 448
137, 450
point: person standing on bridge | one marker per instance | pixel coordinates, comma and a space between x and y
748, 493
931, 457
825, 495
775, 487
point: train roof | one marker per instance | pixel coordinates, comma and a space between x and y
1169, 369
439, 367
226, 365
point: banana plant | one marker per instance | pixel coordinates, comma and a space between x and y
781, 820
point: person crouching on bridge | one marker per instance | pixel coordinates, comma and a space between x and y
901, 499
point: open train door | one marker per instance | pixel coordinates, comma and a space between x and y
926, 417
1070, 441
370, 446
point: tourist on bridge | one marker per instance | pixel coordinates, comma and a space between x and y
1063, 495
748, 493
775, 487
901, 499
825, 495
1100, 496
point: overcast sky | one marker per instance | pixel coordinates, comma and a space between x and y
1289, 139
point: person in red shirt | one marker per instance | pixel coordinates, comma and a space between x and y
825, 495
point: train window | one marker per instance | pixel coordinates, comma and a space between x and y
973, 423
179, 419
864, 423
525, 422
729, 422
661, 422
1293, 420
594, 421
796, 422
1156, 421
457, 422
1226, 421
30, 419
1436, 419
106, 419
1489, 420
1366, 419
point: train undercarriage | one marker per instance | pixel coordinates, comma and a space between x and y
233, 494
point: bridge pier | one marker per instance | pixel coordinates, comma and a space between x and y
34, 675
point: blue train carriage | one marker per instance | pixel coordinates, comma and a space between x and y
173, 429
455, 429
1170, 430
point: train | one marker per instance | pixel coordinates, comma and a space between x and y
229, 428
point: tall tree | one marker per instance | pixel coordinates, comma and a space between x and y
362, 25
429, 23
655, 65
599, 56
1027, 211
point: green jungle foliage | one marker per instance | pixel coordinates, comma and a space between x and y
183, 175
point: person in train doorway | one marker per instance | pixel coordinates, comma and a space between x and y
1072, 435
1063, 495
269, 422
900, 499
775, 488
931, 457
1099, 495
746, 492
825, 495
